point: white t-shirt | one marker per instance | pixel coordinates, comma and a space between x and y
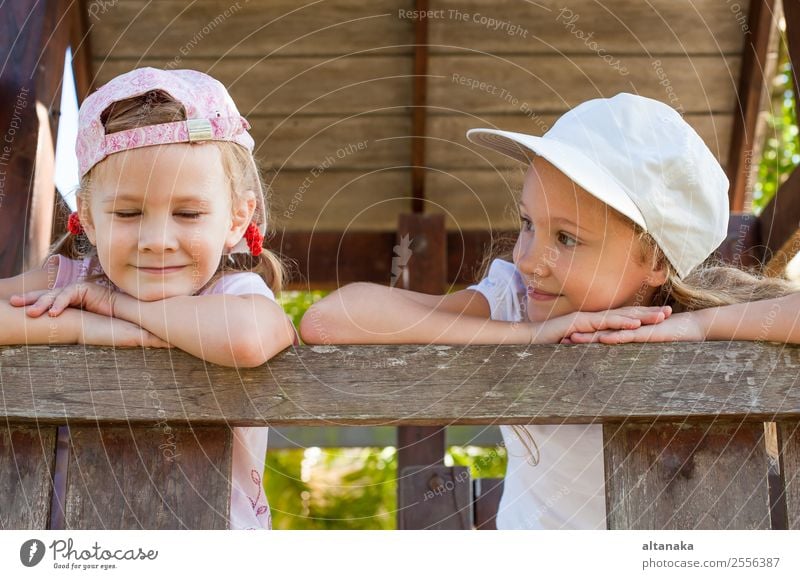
566, 489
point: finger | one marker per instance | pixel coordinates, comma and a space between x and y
42, 304
62, 301
586, 337
615, 322
26, 298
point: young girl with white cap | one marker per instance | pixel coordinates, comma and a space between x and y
621, 206
166, 246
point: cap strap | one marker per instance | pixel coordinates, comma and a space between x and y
192, 130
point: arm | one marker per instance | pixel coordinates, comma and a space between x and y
72, 327
230, 330
365, 313
773, 320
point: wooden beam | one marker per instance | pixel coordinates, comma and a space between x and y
751, 89
419, 111
34, 38
780, 220
81, 43
358, 385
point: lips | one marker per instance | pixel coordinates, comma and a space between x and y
538, 294
161, 270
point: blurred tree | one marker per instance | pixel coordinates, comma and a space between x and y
781, 150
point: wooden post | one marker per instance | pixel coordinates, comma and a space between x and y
686, 476
789, 453
34, 38
149, 478
751, 88
26, 473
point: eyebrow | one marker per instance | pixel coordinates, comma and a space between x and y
562, 220
134, 197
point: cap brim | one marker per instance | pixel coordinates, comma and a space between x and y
567, 159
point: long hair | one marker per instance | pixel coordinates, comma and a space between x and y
239, 166
711, 284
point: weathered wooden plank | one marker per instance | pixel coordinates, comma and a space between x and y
434, 498
789, 453
619, 28
286, 86
175, 29
330, 259
33, 38
686, 476
448, 147
444, 385
476, 198
754, 87
149, 478
360, 142
26, 475
518, 83
319, 199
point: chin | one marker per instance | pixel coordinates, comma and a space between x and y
539, 313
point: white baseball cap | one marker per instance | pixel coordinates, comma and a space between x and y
640, 157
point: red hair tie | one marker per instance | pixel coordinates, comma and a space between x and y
254, 239
74, 224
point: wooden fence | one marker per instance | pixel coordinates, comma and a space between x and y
683, 426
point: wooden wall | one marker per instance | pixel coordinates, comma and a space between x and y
327, 86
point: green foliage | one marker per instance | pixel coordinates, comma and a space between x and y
348, 488
781, 152
295, 303
351, 488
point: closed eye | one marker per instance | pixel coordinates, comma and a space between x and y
193, 215
124, 214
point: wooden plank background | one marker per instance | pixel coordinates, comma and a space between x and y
316, 79
441, 385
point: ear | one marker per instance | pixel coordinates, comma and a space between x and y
86, 220
241, 214
658, 273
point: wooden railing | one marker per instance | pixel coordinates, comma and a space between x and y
151, 442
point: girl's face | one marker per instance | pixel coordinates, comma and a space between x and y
574, 252
161, 217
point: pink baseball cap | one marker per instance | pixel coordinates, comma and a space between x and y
210, 111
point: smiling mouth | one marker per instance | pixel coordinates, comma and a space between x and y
541, 295
161, 270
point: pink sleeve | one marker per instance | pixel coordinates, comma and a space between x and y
69, 270
239, 284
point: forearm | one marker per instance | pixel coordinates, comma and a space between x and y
19, 328
373, 314
775, 320
239, 331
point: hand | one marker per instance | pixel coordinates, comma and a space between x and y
101, 330
684, 327
87, 296
562, 329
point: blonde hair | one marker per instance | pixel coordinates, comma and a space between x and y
239, 166
711, 284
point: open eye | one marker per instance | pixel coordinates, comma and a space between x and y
566, 240
525, 224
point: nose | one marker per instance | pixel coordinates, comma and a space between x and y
533, 256
157, 235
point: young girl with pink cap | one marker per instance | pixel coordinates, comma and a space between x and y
621, 206
165, 249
